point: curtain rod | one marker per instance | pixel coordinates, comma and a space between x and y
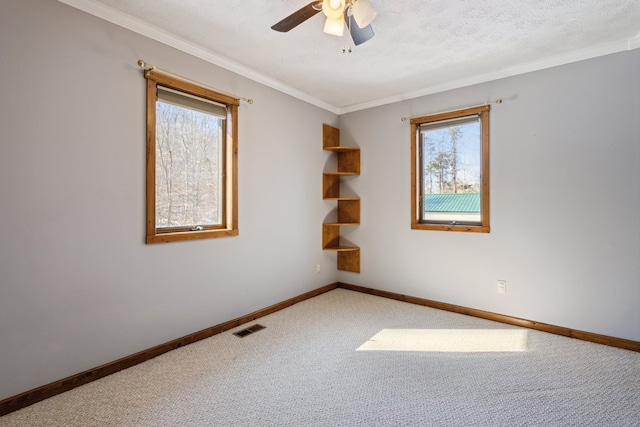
149, 67
497, 101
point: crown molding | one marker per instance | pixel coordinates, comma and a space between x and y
123, 20
116, 17
553, 61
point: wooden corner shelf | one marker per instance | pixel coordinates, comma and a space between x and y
348, 164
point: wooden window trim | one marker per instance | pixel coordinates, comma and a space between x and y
483, 113
230, 174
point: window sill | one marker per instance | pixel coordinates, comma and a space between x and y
191, 235
450, 227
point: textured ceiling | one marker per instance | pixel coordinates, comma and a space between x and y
420, 46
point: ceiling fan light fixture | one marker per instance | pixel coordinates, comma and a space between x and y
334, 26
339, 14
333, 9
363, 12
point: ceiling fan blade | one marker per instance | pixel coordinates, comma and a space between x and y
298, 17
359, 35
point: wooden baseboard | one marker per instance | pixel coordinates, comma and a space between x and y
30, 397
38, 394
558, 330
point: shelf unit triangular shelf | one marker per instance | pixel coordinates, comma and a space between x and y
348, 164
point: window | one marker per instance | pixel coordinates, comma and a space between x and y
450, 171
191, 161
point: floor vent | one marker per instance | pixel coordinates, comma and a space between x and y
248, 331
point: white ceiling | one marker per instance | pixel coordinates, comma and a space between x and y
420, 47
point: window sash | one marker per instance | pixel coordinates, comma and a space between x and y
453, 217
218, 206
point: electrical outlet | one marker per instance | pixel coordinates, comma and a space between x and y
318, 268
502, 286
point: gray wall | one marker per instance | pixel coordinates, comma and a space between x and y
565, 171
78, 287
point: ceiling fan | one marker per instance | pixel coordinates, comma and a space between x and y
356, 14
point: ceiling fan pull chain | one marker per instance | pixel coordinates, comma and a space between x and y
347, 49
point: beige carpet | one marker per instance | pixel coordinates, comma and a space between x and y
304, 370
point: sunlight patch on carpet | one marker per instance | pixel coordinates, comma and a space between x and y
447, 340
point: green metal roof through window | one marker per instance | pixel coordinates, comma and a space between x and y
465, 202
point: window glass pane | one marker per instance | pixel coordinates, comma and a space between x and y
451, 163
189, 167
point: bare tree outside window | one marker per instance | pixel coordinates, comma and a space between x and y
188, 154
451, 159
